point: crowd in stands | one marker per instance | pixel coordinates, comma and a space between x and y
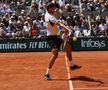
95, 5
16, 22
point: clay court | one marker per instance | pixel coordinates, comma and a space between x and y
25, 71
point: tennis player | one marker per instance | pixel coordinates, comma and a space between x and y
54, 40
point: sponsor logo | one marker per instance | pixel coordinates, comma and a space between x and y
93, 43
9, 45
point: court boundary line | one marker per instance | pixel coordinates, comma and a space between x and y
85, 58
92, 88
68, 74
80, 88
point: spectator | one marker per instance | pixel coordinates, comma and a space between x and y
12, 20
19, 28
6, 15
106, 19
95, 30
92, 18
29, 20
34, 30
12, 6
103, 28
68, 9
77, 18
2, 30
41, 8
5, 22
20, 6
62, 5
33, 12
86, 33
90, 6
69, 25
10, 31
26, 30
77, 31
15, 16
21, 19
41, 22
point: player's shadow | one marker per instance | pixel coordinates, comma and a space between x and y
85, 78
82, 78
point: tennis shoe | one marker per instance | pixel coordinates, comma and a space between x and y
75, 67
47, 77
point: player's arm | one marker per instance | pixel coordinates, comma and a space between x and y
63, 26
66, 29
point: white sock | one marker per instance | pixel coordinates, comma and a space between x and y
72, 63
47, 71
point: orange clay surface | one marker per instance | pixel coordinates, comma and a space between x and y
25, 71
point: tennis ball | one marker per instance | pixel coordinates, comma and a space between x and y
74, 38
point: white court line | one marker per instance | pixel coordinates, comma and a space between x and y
98, 88
68, 73
71, 84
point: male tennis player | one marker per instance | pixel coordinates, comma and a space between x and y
53, 39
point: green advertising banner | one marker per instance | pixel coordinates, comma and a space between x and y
41, 45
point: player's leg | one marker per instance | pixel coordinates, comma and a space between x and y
51, 62
68, 52
53, 58
69, 57
55, 44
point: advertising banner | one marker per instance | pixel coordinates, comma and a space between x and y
89, 44
41, 45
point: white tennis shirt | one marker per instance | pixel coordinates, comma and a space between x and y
50, 21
